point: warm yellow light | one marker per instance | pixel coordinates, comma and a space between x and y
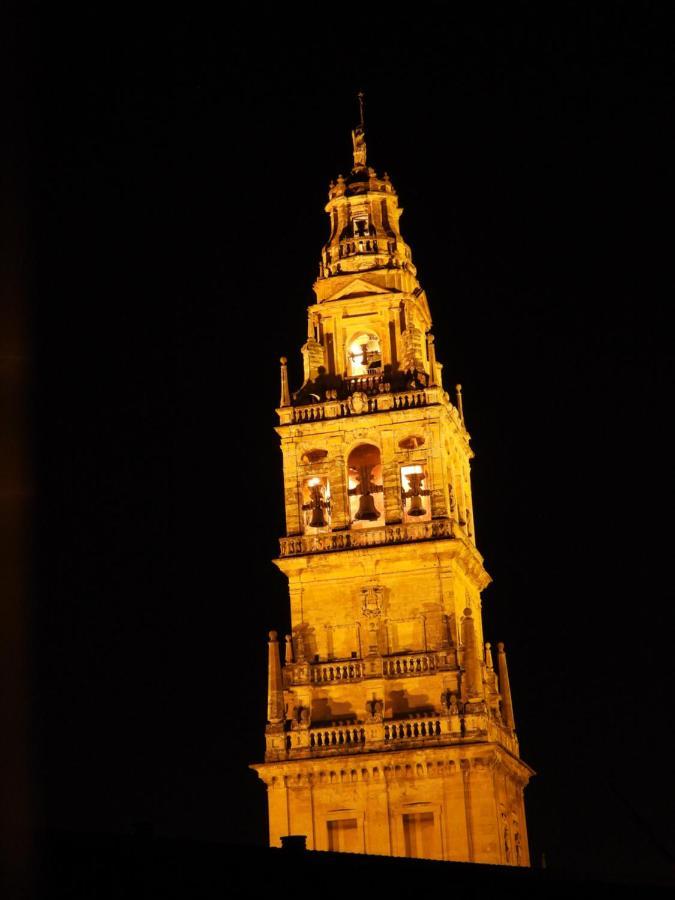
356, 351
313, 482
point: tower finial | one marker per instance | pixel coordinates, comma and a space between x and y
285, 393
359, 138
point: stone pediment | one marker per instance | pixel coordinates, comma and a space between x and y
358, 287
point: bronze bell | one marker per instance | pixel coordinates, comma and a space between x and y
416, 507
317, 505
415, 494
366, 511
318, 519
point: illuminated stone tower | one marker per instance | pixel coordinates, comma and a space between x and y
389, 729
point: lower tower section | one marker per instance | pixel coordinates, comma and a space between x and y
424, 799
389, 729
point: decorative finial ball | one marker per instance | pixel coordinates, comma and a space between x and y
458, 387
273, 636
500, 647
488, 645
467, 612
283, 360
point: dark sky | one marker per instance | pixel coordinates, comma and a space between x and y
178, 173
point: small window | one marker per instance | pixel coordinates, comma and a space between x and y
361, 226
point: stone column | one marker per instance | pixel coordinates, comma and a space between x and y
439, 505
291, 498
391, 480
338, 493
471, 665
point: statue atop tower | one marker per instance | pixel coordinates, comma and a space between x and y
389, 730
359, 139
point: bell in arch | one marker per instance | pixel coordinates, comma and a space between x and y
363, 462
366, 511
415, 476
317, 503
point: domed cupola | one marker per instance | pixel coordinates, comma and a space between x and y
364, 214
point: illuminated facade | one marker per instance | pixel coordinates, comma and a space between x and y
389, 729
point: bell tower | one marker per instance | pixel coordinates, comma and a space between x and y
390, 731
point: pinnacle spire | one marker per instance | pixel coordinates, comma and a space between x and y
505, 688
275, 687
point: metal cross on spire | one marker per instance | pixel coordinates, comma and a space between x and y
361, 96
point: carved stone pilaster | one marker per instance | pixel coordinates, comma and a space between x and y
312, 357
339, 500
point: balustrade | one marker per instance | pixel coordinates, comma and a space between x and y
367, 537
409, 665
336, 737
338, 671
334, 408
412, 729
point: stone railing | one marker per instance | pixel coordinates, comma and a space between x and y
322, 673
502, 735
413, 729
337, 409
329, 541
423, 728
337, 737
410, 664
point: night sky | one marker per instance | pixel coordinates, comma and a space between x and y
178, 172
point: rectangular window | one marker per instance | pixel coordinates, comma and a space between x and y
343, 836
419, 834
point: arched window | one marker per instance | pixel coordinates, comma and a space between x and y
366, 498
364, 354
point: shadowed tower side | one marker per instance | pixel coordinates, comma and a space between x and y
389, 730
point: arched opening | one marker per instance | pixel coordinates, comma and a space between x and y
316, 505
364, 354
415, 493
366, 497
